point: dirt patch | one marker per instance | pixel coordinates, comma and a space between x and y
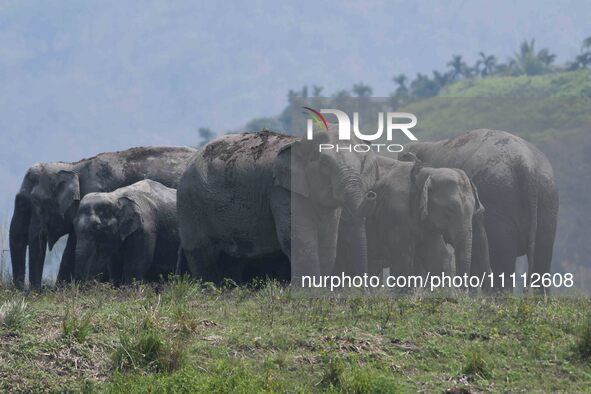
459, 141
503, 141
220, 149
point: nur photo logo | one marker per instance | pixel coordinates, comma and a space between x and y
388, 122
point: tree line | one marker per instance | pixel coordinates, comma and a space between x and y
526, 60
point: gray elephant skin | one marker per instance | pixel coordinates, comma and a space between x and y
48, 199
129, 234
516, 185
255, 194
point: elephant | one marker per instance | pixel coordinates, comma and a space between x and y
47, 202
418, 210
129, 234
516, 184
254, 194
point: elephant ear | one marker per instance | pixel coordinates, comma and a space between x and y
424, 199
289, 169
68, 191
130, 219
408, 156
478, 207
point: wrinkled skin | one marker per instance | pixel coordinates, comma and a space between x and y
418, 209
516, 185
129, 234
48, 199
254, 194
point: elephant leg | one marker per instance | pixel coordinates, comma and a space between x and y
327, 240
114, 270
304, 251
37, 249
297, 233
138, 255
503, 249
181, 262
66, 271
19, 232
202, 262
545, 234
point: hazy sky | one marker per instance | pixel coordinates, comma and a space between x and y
80, 77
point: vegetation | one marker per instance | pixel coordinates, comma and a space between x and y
528, 73
185, 337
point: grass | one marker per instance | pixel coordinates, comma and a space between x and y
14, 314
182, 336
583, 345
76, 325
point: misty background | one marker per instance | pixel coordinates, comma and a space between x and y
79, 78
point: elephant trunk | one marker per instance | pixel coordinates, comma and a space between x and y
82, 260
18, 240
463, 251
357, 206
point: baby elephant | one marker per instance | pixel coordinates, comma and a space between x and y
131, 233
418, 209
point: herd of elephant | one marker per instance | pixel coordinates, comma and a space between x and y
268, 204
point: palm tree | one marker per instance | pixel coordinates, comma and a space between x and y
401, 80
362, 90
486, 64
423, 86
546, 57
441, 79
527, 61
317, 90
583, 59
458, 67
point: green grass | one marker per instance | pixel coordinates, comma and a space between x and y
14, 314
558, 84
541, 109
185, 337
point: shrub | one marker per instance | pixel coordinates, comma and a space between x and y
583, 345
333, 370
75, 326
148, 348
14, 314
476, 365
184, 318
182, 288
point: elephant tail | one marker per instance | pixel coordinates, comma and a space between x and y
532, 195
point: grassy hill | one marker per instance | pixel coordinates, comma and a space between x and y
540, 109
565, 84
182, 337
